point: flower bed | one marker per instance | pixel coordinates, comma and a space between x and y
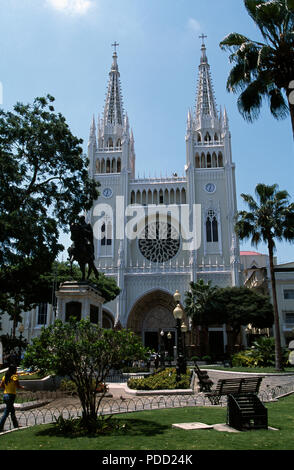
164, 380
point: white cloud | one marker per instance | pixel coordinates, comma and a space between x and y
194, 25
76, 7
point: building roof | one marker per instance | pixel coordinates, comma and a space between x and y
250, 253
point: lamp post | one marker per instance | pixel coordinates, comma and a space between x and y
169, 337
21, 330
178, 315
184, 330
161, 350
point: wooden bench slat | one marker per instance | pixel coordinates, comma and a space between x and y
236, 386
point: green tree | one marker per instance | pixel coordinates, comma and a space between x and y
44, 186
85, 353
269, 219
200, 307
43, 289
264, 70
241, 306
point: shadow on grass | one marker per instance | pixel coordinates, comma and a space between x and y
119, 427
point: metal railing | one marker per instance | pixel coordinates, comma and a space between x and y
48, 409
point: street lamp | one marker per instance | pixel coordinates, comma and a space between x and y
169, 337
178, 315
161, 350
21, 330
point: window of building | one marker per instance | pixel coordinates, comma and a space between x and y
289, 294
42, 314
211, 227
106, 234
289, 318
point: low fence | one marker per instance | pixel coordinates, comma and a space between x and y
45, 407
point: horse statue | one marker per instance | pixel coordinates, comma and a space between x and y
82, 248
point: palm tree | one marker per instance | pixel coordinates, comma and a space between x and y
264, 70
270, 218
198, 306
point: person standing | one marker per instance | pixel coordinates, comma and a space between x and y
10, 383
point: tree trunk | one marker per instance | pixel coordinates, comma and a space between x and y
278, 348
290, 95
292, 116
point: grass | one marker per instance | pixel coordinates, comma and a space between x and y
152, 430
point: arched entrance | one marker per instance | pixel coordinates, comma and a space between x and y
150, 315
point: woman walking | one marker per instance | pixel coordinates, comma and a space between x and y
10, 383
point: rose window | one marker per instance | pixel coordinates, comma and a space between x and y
159, 242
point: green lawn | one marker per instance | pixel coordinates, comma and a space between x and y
152, 430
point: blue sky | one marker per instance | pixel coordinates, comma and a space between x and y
63, 47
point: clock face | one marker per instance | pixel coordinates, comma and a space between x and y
210, 188
107, 192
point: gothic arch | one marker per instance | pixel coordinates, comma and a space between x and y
197, 161
203, 161
220, 160
153, 310
214, 160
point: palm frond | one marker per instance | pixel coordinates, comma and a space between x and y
265, 192
252, 204
233, 41
250, 100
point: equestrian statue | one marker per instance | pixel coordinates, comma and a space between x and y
82, 248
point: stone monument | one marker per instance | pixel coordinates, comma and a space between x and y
81, 299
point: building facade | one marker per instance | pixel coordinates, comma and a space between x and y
155, 235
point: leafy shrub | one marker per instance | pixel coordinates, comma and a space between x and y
164, 380
77, 427
68, 386
261, 354
134, 370
194, 359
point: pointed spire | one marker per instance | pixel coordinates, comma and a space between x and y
225, 119
205, 104
92, 136
93, 127
113, 111
189, 120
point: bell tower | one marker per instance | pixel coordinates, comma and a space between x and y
211, 174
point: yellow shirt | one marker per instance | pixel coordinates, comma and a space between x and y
10, 387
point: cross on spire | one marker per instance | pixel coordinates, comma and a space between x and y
202, 37
115, 44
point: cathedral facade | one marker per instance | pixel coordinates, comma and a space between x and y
156, 235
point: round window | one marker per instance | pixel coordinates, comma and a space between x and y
159, 242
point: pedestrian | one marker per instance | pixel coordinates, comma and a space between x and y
10, 383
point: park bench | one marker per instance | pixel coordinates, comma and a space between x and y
245, 410
205, 383
236, 386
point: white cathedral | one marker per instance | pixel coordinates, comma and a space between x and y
153, 259
156, 235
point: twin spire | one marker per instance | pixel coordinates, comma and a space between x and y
113, 110
206, 114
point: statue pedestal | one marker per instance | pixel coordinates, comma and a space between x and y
79, 300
